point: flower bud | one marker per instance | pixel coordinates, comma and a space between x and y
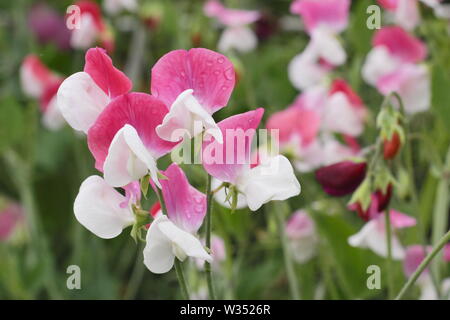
391, 146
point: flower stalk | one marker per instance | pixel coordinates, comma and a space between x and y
209, 196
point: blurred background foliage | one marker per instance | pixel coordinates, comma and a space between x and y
43, 170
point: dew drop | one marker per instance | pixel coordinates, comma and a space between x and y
224, 88
209, 63
220, 60
217, 72
229, 73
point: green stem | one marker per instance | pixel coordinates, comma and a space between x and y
181, 279
178, 266
136, 276
436, 249
389, 253
288, 262
209, 196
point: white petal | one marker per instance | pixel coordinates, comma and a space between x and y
52, 118
304, 71
85, 36
407, 14
241, 38
158, 255
372, 236
328, 46
379, 62
164, 240
339, 116
81, 100
273, 180
187, 116
128, 159
97, 208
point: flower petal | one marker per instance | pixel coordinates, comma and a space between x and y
97, 207
238, 131
241, 38
35, 76
210, 74
273, 180
110, 79
80, 101
142, 111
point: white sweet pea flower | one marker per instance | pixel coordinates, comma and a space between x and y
98, 207
128, 159
166, 241
186, 115
241, 38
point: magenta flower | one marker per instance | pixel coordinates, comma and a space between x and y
379, 202
84, 95
11, 216
193, 84
341, 178
271, 179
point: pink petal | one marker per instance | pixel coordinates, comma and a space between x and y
331, 13
142, 111
49, 93
299, 225
414, 256
92, 8
400, 220
447, 253
186, 206
390, 5
10, 216
230, 17
294, 121
401, 44
218, 165
110, 79
213, 8
210, 74
35, 76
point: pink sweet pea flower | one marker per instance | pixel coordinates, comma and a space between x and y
406, 12
393, 47
237, 35
302, 235
194, 84
83, 95
101, 210
272, 179
11, 216
373, 234
331, 14
40, 83
91, 26
123, 139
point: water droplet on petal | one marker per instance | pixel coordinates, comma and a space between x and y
221, 60
229, 73
224, 88
209, 63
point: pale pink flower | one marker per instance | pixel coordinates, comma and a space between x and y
406, 12
271, 179
193, 84
11, 216
84, 95
237, 35
303, 239
373, 234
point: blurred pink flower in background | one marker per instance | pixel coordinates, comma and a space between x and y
114, 7
373, 234
303, 238
218, 253
406, 12
237, 35
11, 216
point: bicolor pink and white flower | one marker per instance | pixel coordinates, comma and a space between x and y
173, 236
302, 235
90, 28
405, 12
323, 20
84, 95
272, 178
194, 84
40, 83
373, 234
123, 139
237, 35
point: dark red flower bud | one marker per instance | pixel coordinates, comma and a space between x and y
392, 146
379, 203
341, 178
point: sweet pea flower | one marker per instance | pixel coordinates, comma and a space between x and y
392, 48
113, 7
406, 12
272, 178
11, 216
91, 27
373, 234
101, 209
413, 258
39, 82
341, 178
83, 95
173, 235
194, 84
123, 139
237, 35
344, 110
379, 202
302, 235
